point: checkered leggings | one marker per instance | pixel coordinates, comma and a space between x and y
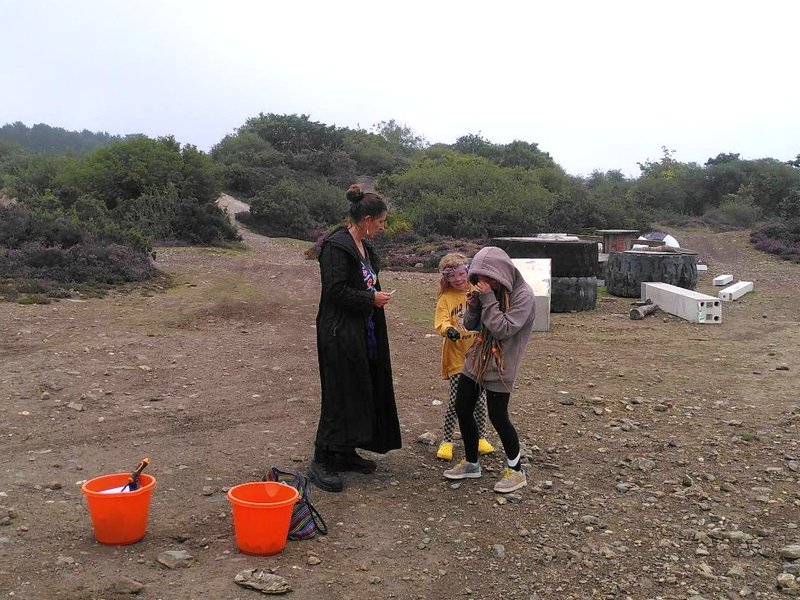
450, 418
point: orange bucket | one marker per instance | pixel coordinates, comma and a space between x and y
262, 512
118, 518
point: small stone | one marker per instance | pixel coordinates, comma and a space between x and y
787, 583
499, 550
739, 536
428, 438
643, 464
263, 581
207, 490
126, 585
313, 559
790, 552
513, 498
65, 560
75, 406
782, 367
175, 559
736, 571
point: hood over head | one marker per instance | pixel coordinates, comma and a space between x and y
493, 262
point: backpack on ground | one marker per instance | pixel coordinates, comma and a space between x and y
306, 521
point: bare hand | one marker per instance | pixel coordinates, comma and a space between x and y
483, 287
381, 299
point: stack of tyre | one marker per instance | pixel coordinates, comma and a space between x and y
573, 268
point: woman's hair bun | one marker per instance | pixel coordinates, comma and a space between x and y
355, 193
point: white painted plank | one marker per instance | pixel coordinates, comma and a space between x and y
735, 291
686, 304
723, 279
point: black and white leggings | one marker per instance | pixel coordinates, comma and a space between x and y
497, 402
450, 418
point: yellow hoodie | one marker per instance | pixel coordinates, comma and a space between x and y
450, 309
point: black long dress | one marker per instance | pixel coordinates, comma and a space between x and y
358, 405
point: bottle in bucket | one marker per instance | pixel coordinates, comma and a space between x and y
262, 511
119, 504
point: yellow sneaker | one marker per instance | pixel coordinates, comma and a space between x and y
445, 451
510, 481
484, 447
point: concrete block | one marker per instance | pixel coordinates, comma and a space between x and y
536, 272
735, 291
686, 304
723, 279
702, 267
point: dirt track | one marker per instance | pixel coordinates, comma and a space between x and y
663, 454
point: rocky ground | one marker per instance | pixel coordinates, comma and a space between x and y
663, 455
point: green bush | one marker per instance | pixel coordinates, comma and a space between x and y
781, 238
85, 262
203, 224
736, 210
298, 208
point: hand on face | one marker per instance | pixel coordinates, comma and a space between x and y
483, 286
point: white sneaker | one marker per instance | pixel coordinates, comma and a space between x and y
464, 470
510, 481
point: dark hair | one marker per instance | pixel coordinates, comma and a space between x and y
363, 204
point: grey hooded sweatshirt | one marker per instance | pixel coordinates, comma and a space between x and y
511, 328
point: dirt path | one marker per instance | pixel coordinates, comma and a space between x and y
664, 455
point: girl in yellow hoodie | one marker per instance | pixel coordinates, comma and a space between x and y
449, 323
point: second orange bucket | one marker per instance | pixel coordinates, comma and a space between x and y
262, 512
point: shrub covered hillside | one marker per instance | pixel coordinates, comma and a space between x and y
89, 206
293, 172
92, 218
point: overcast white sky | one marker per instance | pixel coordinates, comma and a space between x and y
597, 84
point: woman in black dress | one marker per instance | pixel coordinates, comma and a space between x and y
358, 406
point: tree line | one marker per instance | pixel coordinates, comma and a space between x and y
76, 188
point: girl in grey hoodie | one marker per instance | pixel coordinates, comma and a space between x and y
502, 312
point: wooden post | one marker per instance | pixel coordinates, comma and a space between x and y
640, 312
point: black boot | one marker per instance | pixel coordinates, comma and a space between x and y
351, 461
324, 475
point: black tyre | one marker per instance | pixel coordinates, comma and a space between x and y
572, 294
626, 271
569, 258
